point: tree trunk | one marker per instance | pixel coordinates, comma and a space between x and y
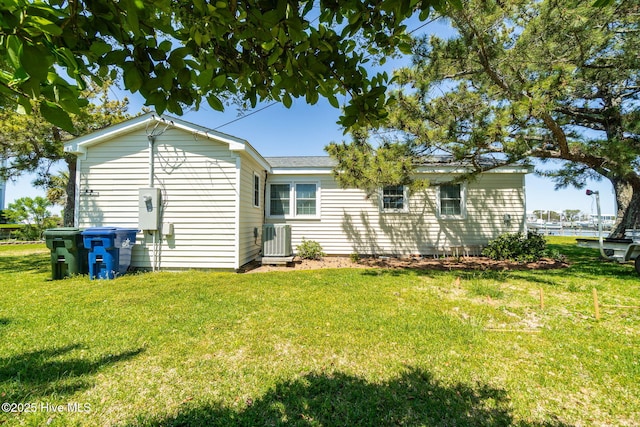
69, 212
628, 200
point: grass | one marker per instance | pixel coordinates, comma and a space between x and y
311, 348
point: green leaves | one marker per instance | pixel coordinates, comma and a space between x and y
99, 48
56, 115
39, 25
176, 53
361, 166
31, 59
132, 76
215, 103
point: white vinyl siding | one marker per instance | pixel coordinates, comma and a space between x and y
350, 222
210, 189
197, 179
250, 219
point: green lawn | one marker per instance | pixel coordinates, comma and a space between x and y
332, 348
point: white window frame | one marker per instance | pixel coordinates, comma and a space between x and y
256, 191
293, 200
405, 200
463, 202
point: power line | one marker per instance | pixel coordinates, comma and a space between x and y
273, 103
246, 115
423, 25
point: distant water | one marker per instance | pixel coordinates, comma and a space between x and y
577, 232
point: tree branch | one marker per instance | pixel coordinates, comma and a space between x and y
587, 117
461, 74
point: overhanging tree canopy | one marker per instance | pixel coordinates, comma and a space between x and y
177, 53
522, 79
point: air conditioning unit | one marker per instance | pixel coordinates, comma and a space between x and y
276, 240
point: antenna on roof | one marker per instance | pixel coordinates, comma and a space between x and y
152, 133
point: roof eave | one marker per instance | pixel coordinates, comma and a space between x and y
459, 169
301, 171
80, 145
440, 169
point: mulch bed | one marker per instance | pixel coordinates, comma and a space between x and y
466, 263
473, 263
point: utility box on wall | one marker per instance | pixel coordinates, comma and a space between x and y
149, 208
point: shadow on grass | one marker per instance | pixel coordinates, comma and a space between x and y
52, 371
415, 398
3, 322
31, 262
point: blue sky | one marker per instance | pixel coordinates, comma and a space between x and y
304, 130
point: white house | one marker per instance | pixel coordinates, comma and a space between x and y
201, 198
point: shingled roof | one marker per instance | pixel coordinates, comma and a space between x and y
301, 162
313, 162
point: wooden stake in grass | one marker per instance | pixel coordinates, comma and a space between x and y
541, 299
596, 305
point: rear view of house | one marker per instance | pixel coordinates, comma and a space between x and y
201, 198
445, 218
196, 194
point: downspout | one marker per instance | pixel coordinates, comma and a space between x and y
76, 196
524, 198
264, 208
152, 140
238, 212
264, 198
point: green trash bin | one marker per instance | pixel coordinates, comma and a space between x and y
68, 254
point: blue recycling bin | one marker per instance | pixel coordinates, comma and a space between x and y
109, 250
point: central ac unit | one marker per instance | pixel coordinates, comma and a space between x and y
276, 240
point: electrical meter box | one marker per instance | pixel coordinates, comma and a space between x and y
149, 208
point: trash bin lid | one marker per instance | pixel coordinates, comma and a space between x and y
127, 230
61, 231
99, 231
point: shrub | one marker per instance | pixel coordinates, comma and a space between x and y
517, 247
354, 257
309, 249
34, 214
28, 232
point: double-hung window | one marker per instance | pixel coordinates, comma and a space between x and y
451, 201
294, 200
280, 199
306, 199
393, 198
